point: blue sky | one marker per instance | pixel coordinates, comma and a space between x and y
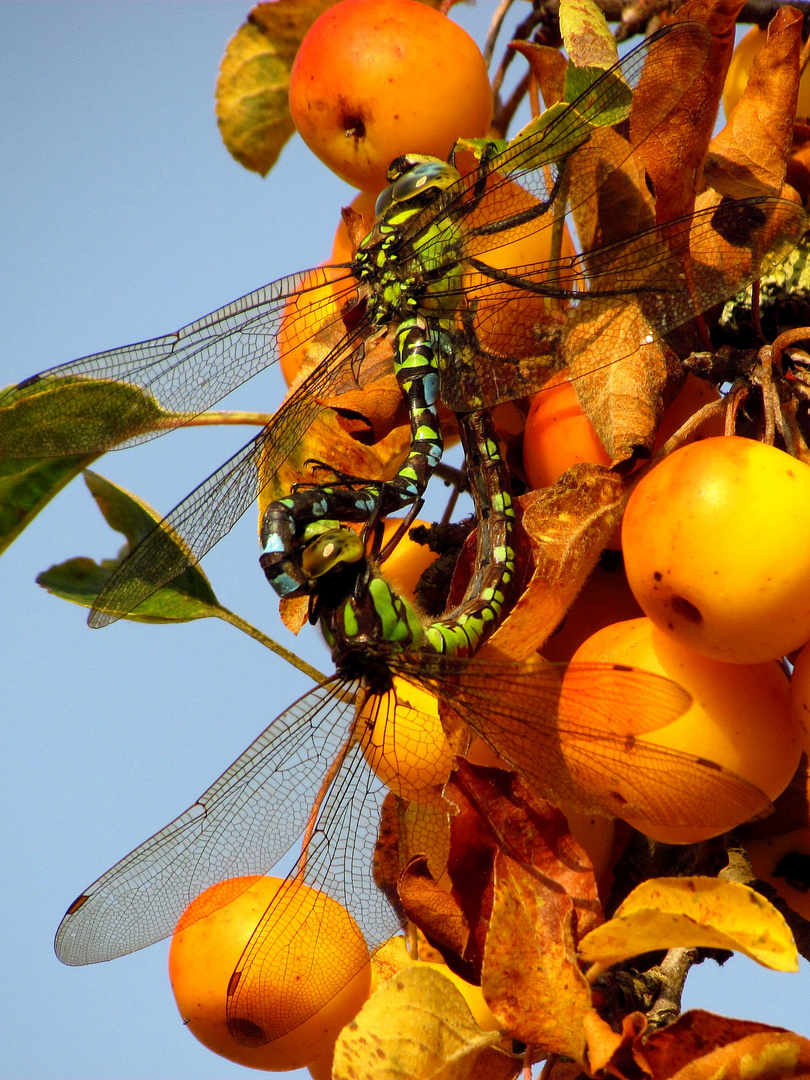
122, 218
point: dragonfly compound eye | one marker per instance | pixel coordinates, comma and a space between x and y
429, 174
331, 549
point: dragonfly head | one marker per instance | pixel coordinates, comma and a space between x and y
415, 178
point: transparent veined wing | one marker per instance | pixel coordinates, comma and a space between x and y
176, 375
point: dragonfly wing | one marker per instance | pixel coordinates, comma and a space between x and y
240, 826
212, 509
571, 732
185, 372
522, 182
338, 861
627, 294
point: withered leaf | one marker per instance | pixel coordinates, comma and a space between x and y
531, 978
749, 156
665, 913
417, 1026
435, 911
548, 67
254, 76
677, 272
529, 830
673, 153
567, 527
700, 1045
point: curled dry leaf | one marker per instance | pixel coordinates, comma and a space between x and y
567, 527
699, 912
531, 977
418, 1027
547, 66
528, 893
749, 156
673, 154
701, 1046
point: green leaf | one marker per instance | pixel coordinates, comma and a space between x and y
58, 416
80, 580
612, 103
29, 484
566, 136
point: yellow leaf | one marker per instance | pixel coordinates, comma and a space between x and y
254, 77
692, 912
418, 1027
586, 34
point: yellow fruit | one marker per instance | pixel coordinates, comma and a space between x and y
800, 696
739, 717
508, 317
784, 861
305, 313
404, 743
408, 561
321, 1068
559, 434
318, 979
715, 549
375, 79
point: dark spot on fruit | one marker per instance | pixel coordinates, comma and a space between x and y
354, 128
617, 797
794, 867
683, 607
707, 764
247, 1033
629, 743
657, 575
622, 667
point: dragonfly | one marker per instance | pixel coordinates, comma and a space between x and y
308, 774
418, 277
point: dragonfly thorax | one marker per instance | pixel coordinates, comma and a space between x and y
404, 259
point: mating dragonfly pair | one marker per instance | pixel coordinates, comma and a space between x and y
420, 276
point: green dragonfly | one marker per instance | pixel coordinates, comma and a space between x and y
410, 280
307, 775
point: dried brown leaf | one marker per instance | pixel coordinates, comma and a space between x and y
749, 156
435, 911
701, 1046
674, 152
609, 192
548, 67
567, 525
531, 978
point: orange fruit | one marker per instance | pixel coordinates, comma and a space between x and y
715, 548
739, 717
375, 79
317, 980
